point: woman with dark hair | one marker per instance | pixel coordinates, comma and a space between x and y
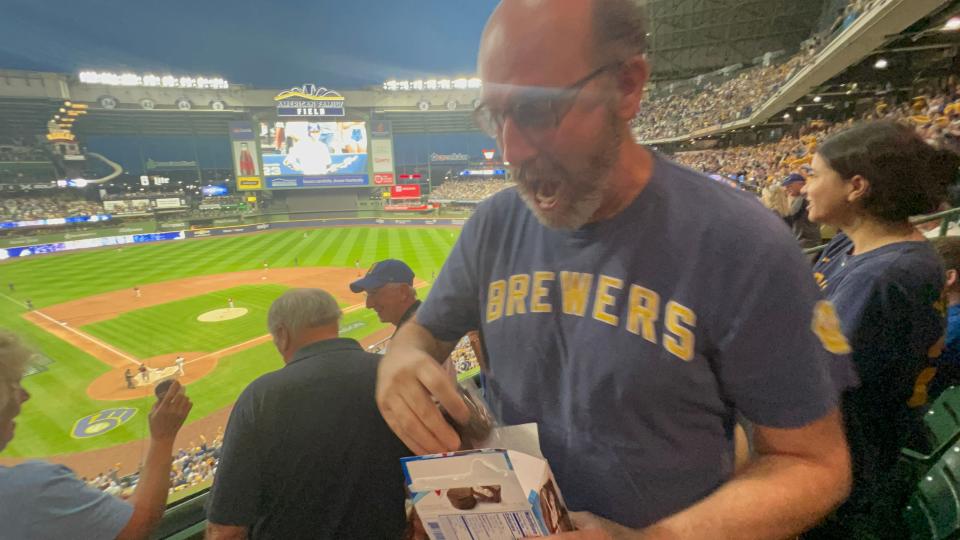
885, 281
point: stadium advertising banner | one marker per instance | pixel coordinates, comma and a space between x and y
249, 183
382, 152
133, 206
170, 202
71, 245
449, 158
53, 221
405, 191
246, 159
309, 101
309, 154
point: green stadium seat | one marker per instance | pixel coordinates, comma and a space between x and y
942, 423
933, 511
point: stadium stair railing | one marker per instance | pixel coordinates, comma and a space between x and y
184, 520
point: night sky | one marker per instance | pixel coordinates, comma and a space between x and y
344, 44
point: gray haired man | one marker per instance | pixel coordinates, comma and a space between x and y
306, 454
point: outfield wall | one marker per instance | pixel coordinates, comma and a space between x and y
107, 241
140, 225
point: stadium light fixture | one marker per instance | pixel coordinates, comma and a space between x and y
152, 80
461, 83
800, 108
881, 63
952, 24
67, 104
817, 99
786, 116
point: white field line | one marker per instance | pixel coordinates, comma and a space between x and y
89, 338
14, 301
133, 360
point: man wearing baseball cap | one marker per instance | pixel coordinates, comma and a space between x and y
805, 231
390, 292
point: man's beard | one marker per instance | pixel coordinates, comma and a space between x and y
569, 199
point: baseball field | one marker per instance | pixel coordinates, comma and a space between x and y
99, 313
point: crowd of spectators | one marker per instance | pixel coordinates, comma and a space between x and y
851, 13
20, 149
59, 205
192, 466
468, 190
934, 114
672, 113
463, 356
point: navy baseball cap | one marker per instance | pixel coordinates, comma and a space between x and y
793, 178
381, 273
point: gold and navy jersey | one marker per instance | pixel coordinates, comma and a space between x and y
890, 309
632, 341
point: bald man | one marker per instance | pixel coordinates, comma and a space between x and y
628, 305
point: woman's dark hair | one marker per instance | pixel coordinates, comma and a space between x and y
907, 176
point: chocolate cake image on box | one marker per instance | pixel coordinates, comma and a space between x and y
462, 498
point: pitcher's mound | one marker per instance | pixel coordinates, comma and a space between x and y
218, 315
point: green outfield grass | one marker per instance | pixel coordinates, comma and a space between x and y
59, 393
173, 327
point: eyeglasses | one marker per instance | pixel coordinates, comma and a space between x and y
540, 110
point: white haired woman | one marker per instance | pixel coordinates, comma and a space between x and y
40, 500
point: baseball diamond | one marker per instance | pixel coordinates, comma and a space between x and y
90, 328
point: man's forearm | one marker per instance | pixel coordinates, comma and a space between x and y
150, 499
776, 496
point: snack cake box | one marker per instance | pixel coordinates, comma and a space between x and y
485, 494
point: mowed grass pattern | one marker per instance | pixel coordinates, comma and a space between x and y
51, 279
59, 394
173, 327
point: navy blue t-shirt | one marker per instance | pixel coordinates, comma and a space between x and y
632, 341
888, 303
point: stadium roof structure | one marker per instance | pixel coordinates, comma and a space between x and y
691, 37
889, 22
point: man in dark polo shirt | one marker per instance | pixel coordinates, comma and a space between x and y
306, 454
390, 292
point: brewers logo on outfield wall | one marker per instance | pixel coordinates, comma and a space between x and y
102, 422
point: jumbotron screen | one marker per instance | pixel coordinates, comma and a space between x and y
303, 154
